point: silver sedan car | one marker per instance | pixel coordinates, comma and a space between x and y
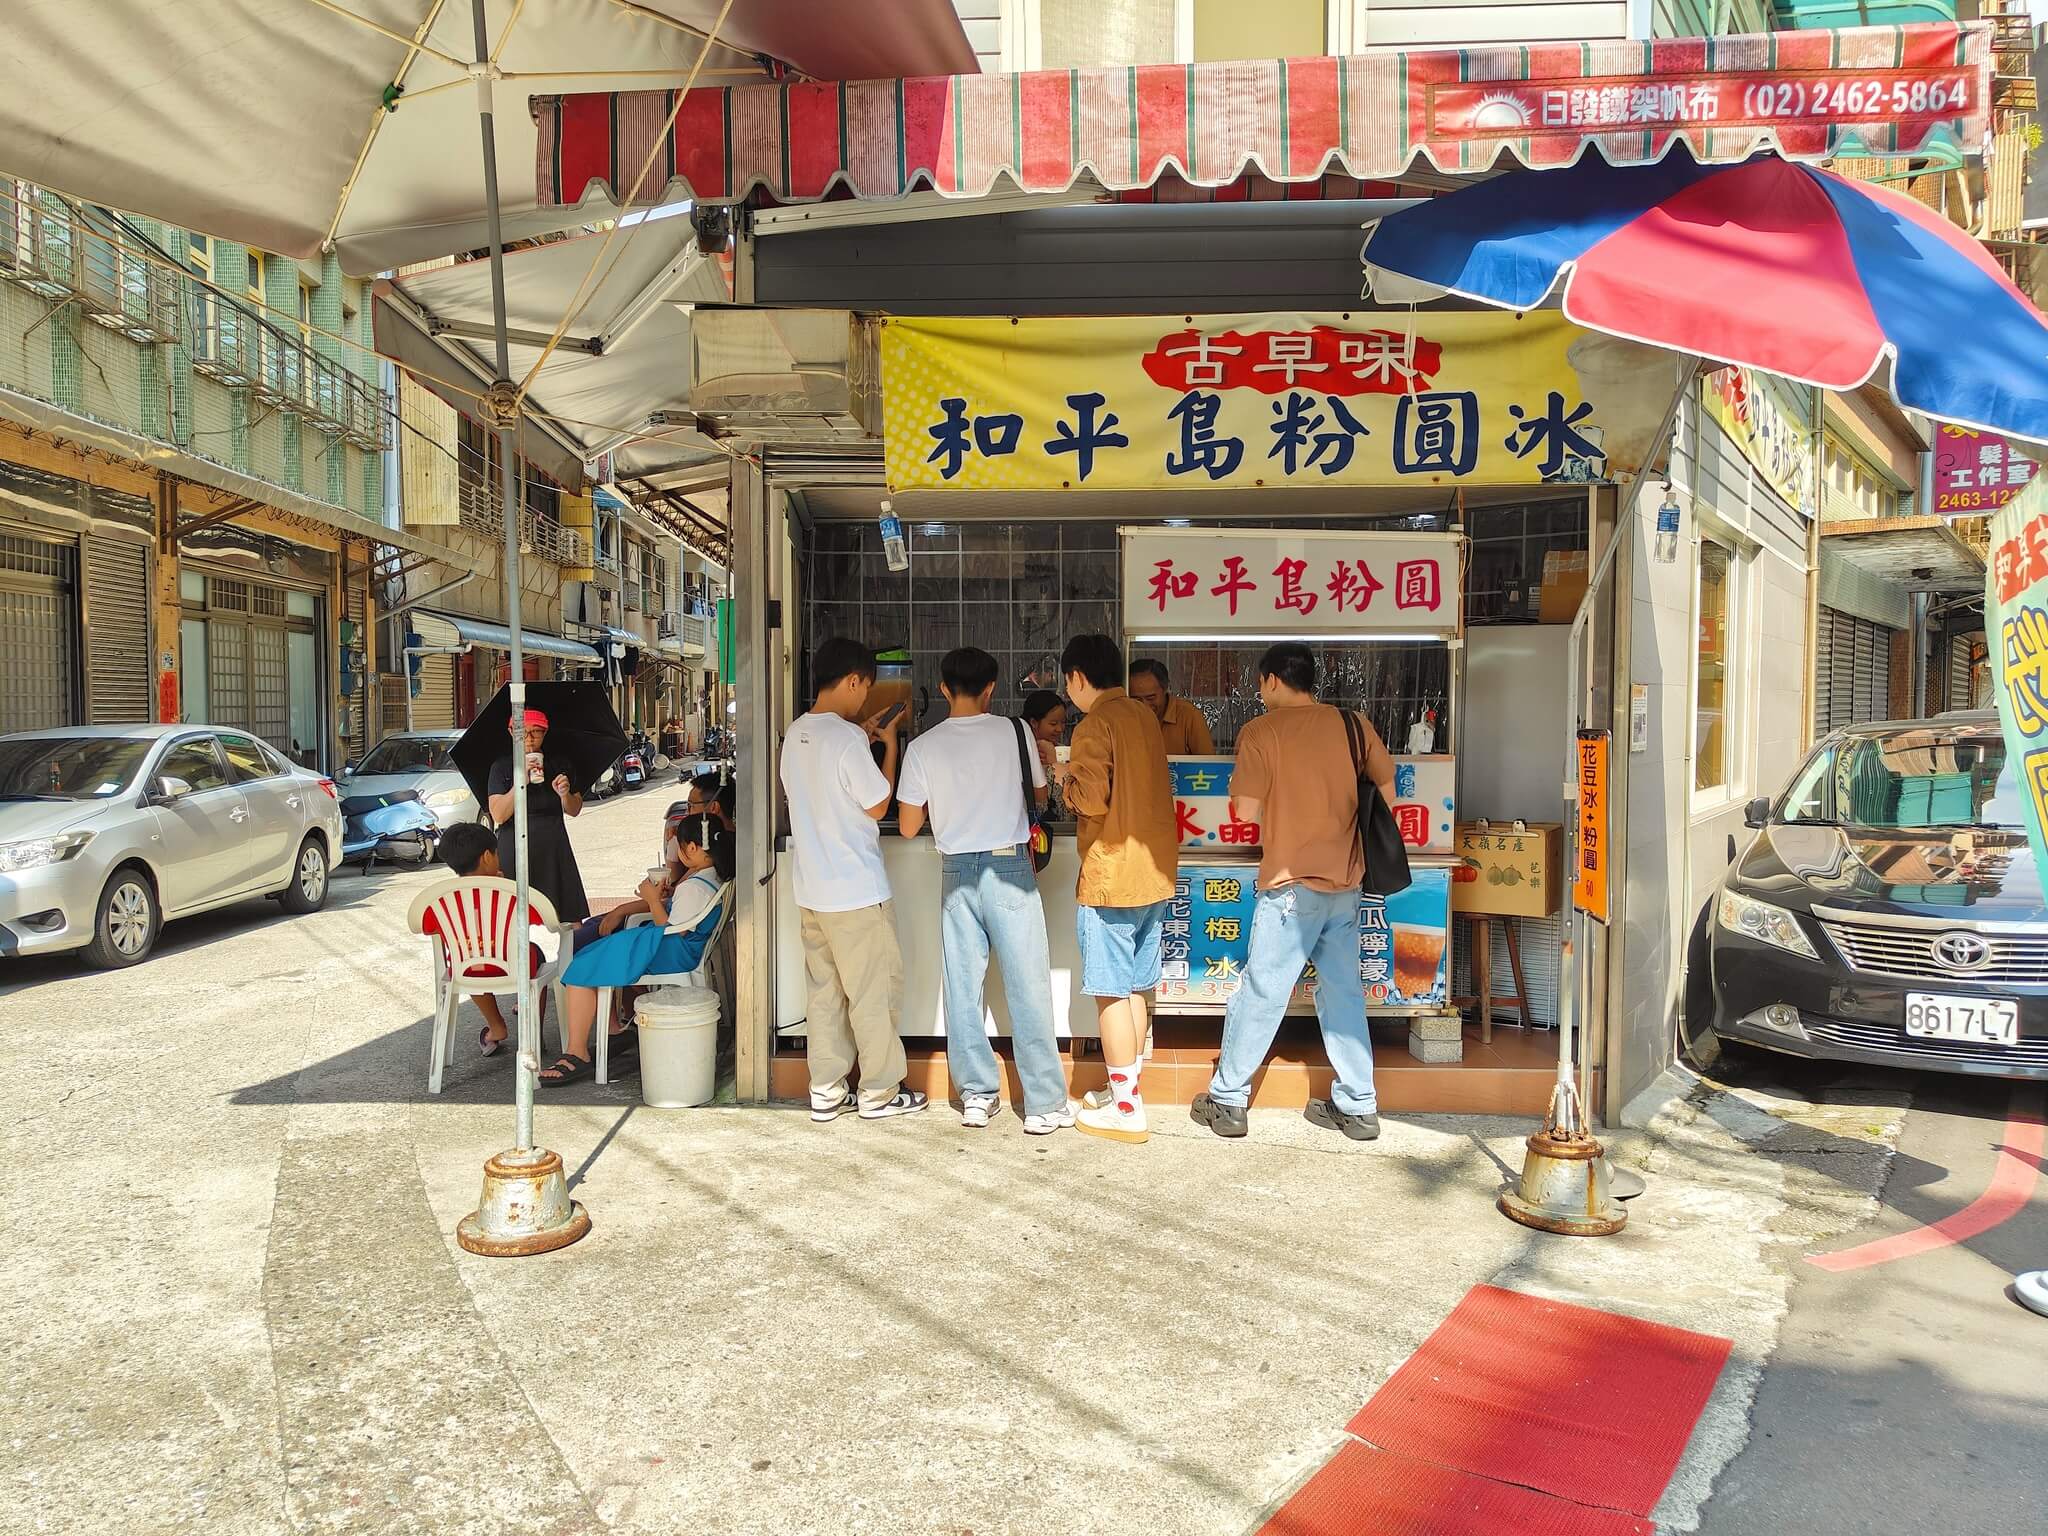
416, 761
106, 832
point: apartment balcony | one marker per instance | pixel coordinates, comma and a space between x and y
53, 252
540, 537
633, 597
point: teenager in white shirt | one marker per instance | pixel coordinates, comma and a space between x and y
968, 773
837, 799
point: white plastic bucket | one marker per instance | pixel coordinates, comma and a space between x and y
678, 1047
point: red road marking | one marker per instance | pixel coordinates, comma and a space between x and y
2011, 1186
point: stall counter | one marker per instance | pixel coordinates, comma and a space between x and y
1404, 950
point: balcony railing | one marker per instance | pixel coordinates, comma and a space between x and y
81, 258
632, 597
539, 536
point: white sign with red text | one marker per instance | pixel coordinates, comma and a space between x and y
1425, 808
1288, 584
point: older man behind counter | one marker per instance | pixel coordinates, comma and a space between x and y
1181, 725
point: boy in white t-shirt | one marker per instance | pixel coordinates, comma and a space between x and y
969, 771
837, 799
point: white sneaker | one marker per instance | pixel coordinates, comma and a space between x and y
825, 1108
977, 1109
1114, 1123
1045, 1125
906, 1102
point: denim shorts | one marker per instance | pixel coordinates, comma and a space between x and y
1119, 948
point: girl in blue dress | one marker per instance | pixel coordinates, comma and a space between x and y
685, 907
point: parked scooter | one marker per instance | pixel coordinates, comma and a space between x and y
396, 828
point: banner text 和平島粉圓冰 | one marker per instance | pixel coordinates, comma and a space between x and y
1236, 401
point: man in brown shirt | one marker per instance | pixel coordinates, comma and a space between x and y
1296, 779
1119, 789
1181, 725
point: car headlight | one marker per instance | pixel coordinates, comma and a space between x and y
447, 797
35, 852
1760, 920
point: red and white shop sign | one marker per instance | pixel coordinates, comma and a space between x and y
1283, 584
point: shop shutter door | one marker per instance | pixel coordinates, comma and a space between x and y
269, 701
37, 674
1959, 672
434, 709
117, 670
1852, 671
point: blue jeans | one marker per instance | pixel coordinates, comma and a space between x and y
1293, 926
990, 902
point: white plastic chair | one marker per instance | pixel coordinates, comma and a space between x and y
601, 1031
481, 931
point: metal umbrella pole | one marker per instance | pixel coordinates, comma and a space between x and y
525, 1207
1564, 1182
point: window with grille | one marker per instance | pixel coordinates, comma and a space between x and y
231, 595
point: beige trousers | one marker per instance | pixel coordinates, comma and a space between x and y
855, 970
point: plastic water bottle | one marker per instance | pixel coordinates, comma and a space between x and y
1667, 528
893, 548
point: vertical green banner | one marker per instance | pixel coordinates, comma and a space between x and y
2016, 629
728, 662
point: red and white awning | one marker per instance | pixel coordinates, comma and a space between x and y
1808, 95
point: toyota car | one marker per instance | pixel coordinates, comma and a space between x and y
1888, 910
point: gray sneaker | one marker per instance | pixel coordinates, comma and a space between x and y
1358, 1127
907, 1102
826, 1108
1226, 1120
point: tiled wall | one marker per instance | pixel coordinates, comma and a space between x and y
1016, 590
1020, 590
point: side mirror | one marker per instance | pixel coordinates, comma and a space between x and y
347, 771
169, 789
1757, 813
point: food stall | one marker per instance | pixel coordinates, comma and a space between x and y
1198, 489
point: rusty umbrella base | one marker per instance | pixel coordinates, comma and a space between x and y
525, 1208
1565, 1188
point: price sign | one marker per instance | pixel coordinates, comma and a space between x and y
1589, 870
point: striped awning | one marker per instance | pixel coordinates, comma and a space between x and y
1808, 95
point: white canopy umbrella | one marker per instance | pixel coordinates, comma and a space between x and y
264, 121
619, 365
299, 126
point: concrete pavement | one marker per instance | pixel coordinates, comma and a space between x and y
234, 1303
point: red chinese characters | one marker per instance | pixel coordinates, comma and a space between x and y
1324, 358
1167, 582
1413, 824
2022, 560
1416, 585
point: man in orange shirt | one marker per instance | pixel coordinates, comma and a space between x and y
1310, 869
1181, 726
1121, 793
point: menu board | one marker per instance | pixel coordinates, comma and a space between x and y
1425, 806
1403, 941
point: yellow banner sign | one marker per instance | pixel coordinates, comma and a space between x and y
1770, 421
1234, 401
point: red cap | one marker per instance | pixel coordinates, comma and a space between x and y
535, 720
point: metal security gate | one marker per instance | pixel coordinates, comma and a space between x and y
117, 670
38, 644
1852, 671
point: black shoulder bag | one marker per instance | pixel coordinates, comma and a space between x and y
1038, 840
1386, 856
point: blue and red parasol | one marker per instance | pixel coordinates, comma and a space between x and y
1781, 267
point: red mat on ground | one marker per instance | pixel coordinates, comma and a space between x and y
1364, 1491
1587, 1405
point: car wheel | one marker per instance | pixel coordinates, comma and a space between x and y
308, 890
125, 926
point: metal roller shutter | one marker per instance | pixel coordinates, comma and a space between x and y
117, 668
1852, 671
38, 674
1959, 672
434, 709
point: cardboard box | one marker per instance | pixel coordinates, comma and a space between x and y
1506, 871
1564, 586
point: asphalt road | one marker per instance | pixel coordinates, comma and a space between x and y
1910, 1393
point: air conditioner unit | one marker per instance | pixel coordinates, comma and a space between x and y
786, 376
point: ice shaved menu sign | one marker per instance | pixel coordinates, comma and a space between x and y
1220, 582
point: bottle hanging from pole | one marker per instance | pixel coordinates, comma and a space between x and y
894, 549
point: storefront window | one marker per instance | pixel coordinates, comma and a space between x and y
303, 683
1712, 741
192, 691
